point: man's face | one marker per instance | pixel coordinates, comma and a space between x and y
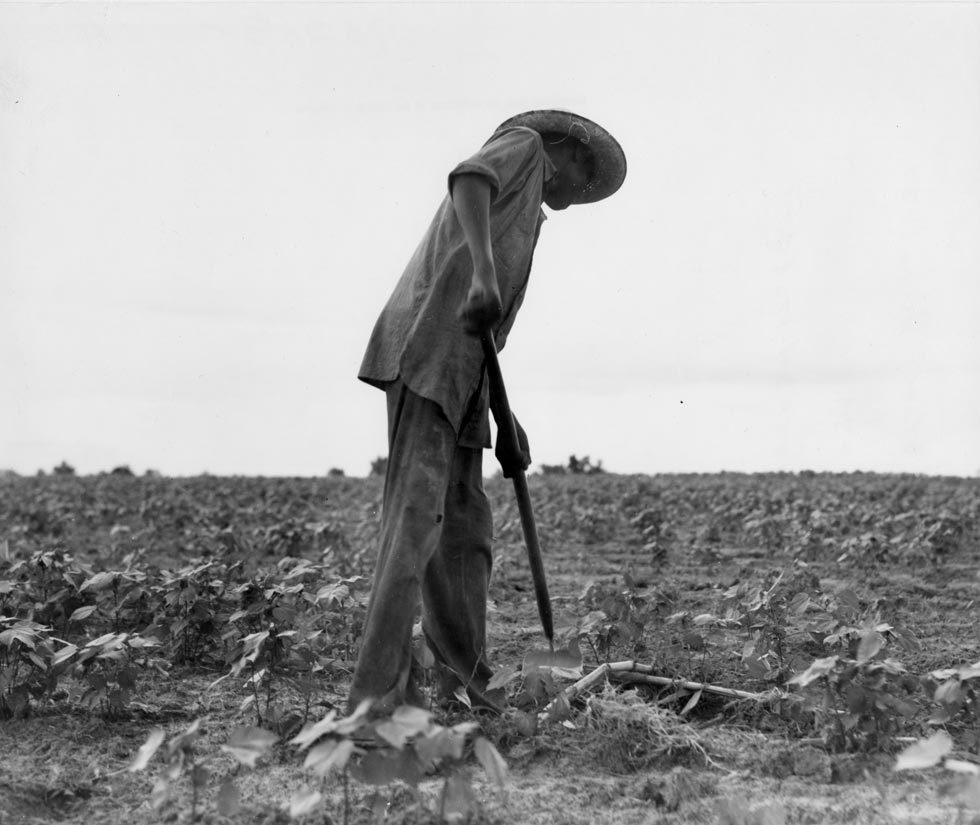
571, 180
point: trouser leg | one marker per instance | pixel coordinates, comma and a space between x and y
454, 590
421, 446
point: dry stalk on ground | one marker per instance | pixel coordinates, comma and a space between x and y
644, 673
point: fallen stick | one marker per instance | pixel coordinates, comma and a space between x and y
644, 673
718, 690
819, 742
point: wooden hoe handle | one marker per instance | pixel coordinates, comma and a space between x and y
505, 424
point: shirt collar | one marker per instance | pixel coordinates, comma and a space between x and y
550, 170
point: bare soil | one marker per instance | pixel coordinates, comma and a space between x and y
732, 762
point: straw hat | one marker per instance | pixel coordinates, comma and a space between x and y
610, 160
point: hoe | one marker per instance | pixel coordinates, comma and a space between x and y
507, 430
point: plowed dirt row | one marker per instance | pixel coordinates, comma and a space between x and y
673, 545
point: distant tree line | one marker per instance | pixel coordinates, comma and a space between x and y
576, 466
379, 467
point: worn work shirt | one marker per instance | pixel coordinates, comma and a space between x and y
418, 336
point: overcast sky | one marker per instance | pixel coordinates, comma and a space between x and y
203, 207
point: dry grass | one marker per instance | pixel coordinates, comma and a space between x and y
623, 734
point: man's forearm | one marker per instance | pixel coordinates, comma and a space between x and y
471, 200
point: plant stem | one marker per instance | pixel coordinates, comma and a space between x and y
193, 794
346, 798
595, 652
255, 693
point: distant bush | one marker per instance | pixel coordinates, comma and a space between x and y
64, 469
583, 466
379, 466
122, 470
576, 466
335, 472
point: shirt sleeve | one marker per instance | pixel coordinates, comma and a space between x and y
504, 161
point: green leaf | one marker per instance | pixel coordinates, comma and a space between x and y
314, 730
493, 763
185, 739
329, 756
303, 802
147, 749
892, 666
435, 747
870, 645
689, 706
444, 743
217, 681
252, 645
349, 724
949, 692
99, 582
82, 613
503, 678
332, 593
756, 667
229, 798
405, 722
247, 743
161, 790
897, 705
560, 708
799, 603
925, 753
423, 655
817, 670
463, 729
961, 766
26, 637
107, 640
462, 696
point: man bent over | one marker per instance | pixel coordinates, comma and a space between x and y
468, 275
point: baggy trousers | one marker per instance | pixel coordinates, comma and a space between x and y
435, 541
